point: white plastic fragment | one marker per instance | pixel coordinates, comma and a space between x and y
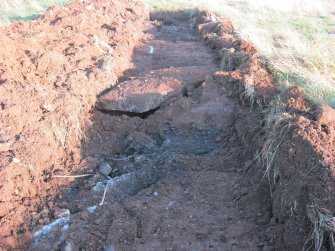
151, 49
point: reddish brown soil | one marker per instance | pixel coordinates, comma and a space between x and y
51, 70
178, 185
182, 176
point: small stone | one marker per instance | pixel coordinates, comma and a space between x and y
50, 204
156, 193
91, 210
46, 107
105, 168
19, 138
98, 187
15, 160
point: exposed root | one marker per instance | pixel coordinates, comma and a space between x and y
104, 195
73, 176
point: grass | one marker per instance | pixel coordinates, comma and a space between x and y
323, 222
277, 123
298, 37
20, 10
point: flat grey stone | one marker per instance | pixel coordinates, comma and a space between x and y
105, 168
139, 95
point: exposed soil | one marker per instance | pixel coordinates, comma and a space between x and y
176, 174
171, 156
51, 70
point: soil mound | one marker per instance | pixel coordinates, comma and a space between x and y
51, 70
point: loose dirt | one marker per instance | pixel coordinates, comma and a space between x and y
120, 132
174, 174
51, 70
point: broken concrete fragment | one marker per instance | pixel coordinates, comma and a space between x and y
139, 95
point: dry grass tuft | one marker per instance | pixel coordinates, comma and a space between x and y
277, 125
323, 223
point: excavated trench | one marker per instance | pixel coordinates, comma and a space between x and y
166, 164
185, 143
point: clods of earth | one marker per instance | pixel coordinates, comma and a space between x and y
133, 132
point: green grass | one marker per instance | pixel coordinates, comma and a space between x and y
297, 36
21, 10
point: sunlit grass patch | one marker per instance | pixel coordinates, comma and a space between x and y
20, 10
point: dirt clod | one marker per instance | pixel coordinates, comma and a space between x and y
325, 115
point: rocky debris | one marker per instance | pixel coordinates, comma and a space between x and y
139, 95
105, 168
